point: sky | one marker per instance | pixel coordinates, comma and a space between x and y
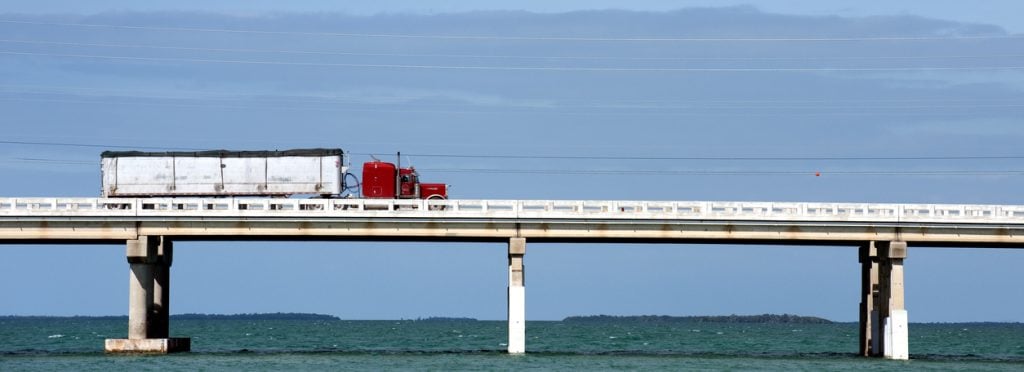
867, 95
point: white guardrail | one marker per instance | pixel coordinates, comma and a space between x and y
507, 209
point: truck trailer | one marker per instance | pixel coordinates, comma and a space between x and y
221, 173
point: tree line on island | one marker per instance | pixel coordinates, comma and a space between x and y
754, 319
256, 316
193, 316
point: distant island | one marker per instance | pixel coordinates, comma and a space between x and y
257, 316
753, 319
251, 316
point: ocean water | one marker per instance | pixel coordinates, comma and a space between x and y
235, 344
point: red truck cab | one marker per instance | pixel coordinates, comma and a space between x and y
381, 180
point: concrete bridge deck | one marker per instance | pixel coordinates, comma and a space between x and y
149, 226
83, 219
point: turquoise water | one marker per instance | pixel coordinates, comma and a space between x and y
77, 344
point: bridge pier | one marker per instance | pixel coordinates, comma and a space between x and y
868, 294
892, 313
516, 296
149, 258
883, 316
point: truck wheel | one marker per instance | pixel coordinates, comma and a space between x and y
435, 207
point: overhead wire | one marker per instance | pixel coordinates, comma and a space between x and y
930, 113
514, 68
93, 145
633, 172
653, 172
571, 157
531, 102
51, 161
310, 102
721, 158
535, 102
480, 56
523, 38
674, 172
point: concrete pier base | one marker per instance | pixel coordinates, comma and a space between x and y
148, 345
516, 296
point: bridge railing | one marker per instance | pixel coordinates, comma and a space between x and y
66, 207
507, 209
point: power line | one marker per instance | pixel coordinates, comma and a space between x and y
92, 145
308, 52
52, 161
392, 101
670, 172
527, 38
651, 172
517, 68
541, 102
721, 158
536, 111
576, 157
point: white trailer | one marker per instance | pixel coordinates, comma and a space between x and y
223, 173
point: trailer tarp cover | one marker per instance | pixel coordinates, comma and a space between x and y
223, 153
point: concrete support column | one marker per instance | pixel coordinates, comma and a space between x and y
149, 258
516, 296
868, 292
141, 259
140, 300
892, 313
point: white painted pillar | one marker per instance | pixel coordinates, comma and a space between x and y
516, 296
899, 335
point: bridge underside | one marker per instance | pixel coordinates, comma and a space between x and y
701, 232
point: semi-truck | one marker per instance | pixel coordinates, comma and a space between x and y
317, 172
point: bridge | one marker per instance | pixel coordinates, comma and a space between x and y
149, 226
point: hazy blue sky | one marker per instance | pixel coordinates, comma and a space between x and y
777, 79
